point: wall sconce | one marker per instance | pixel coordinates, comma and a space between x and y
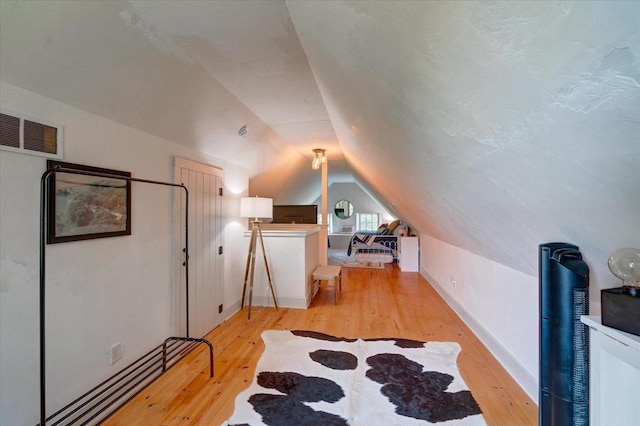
319, 158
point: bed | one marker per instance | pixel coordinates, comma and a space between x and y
378, 246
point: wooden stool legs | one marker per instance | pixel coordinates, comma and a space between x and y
329, 273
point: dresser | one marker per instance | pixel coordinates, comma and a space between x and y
409, 254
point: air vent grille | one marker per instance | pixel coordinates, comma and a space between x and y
40, 137
19, 133
9, 131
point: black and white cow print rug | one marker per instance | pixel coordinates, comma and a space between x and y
308, 378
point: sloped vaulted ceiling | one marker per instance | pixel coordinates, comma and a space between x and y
494, 126
192, 72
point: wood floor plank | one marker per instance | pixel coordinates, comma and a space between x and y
373, 303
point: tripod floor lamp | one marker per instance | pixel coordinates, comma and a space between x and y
255, 207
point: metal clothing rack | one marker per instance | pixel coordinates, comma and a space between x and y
99, 403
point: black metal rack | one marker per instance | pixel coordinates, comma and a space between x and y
99, 403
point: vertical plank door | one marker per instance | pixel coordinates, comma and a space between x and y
205, 239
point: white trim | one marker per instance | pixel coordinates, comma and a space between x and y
230, 311
627, 339
286, 230
520, 374
283, 302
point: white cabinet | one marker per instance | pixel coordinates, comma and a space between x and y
293, 253
408, 254
614, 372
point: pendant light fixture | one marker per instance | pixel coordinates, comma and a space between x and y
319, 158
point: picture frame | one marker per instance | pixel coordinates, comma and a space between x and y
84, 207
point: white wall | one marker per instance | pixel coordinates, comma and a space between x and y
361, 201
98, 291
498, 303
493, 126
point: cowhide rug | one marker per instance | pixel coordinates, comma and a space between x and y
309, 378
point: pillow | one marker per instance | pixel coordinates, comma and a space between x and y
383, 225
393, 225
400, 229
383, 230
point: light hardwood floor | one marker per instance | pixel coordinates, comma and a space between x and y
373, 303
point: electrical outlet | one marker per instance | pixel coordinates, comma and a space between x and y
115, 353
453, 280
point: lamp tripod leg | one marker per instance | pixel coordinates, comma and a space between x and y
266, 265
246, 274
251, 264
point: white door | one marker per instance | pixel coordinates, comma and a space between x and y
204, 184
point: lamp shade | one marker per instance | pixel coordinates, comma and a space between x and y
256, 207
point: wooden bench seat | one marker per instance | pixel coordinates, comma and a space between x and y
331, 274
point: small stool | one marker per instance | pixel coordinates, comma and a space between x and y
329, 273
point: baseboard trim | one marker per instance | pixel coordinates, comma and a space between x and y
231, 311
526, 381
283, 302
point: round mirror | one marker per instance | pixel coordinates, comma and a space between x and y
343, 209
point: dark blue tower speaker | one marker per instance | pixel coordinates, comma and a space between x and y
564, 340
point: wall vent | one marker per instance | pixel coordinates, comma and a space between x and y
27, 135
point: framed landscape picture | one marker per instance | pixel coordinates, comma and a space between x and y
83, 207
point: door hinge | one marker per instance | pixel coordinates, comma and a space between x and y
220, 192
220, 308
220, 250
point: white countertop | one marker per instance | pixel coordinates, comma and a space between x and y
286, 230
628, 339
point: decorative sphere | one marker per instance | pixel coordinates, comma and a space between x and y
625, 264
